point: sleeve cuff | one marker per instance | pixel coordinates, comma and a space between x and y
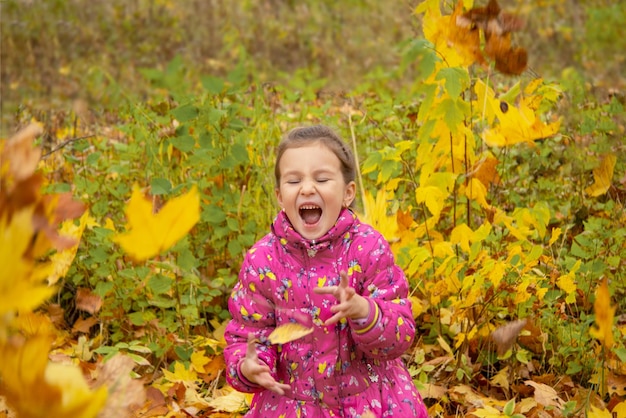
361, 326
242, 377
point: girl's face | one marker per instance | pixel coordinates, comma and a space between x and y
312, 189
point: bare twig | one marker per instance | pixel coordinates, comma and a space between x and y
66, 143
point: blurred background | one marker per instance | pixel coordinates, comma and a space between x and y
59, 54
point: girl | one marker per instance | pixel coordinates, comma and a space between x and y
320, 267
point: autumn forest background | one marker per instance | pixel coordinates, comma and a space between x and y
136, 168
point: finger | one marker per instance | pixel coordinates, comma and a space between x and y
251, 348
344, 279
325, 290
334, 319
280, 388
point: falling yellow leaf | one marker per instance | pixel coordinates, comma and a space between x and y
602, 176
62, 260
604, 316
21, 281
150, 234
283, 334
61, 390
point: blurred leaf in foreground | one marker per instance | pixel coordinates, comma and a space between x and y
150, 234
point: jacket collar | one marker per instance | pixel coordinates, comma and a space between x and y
289, 237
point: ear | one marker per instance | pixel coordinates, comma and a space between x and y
279, 197
349, 194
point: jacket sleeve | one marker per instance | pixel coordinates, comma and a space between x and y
251, 312
390, 328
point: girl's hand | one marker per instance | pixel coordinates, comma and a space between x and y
351, 305
258, 372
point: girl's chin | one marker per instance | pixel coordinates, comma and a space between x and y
310, 231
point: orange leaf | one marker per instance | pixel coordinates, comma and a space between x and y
88, 301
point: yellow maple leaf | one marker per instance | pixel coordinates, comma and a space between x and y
21, 281
604, 316
181, 374
61, 390
198, 361
516, 123
283, 334
150, 234
602, 176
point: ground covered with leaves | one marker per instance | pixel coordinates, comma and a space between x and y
125, 211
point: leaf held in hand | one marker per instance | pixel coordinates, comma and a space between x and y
289, 332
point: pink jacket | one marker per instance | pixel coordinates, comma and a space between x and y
340, 370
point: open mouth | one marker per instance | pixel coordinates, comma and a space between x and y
310, 214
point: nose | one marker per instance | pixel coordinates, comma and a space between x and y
308, 187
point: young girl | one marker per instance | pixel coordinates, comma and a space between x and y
320, 267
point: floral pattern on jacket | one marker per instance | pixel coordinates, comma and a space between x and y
341, 370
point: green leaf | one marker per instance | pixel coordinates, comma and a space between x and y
213, 85
160, 284
621, 353
93, 158
184, 143
185, 113
160, 186
456, 80
509, 408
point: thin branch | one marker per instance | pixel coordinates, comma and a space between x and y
66, 143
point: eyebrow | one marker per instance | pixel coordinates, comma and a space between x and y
321, 170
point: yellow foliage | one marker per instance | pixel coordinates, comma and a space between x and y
21, 281
376, 215
460, 46
567, 283
598, 413
604, 316
151, 234
61, 390
181, 374
516, 123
